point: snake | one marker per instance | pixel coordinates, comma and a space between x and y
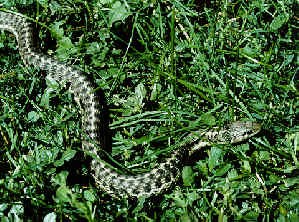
108, 179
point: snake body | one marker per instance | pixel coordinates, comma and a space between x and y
118, 185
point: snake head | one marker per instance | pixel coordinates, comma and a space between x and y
242, 130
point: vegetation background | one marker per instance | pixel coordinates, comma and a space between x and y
166, 68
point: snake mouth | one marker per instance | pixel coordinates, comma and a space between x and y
257, 127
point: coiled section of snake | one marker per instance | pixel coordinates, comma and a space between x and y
118, 185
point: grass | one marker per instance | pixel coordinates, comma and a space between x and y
167, 68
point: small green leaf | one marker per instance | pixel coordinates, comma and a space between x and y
135, 103
203, 168
44, 3
3, 207
56, 31
89, 195
118, 12
65, 48
188, 176
68, 154
156, 91
17, 209
179, 202
191, 197
273, 179
140, 93
289, 182
45, 100
140, 205
215, 158
208, 119
246, 166
185, 217
33, 116
60, 179
232, 174
64, 194
98, 53
59, 162
264, 155
279, 21
222, 170
52, 84
249, 51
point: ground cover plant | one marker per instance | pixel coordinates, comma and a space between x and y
167, 68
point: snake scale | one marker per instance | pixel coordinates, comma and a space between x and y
118, 185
